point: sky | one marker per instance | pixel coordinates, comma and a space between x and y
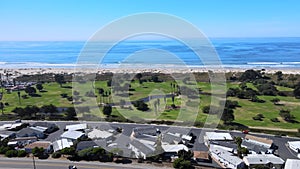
72, 20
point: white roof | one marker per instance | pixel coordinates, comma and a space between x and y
81, 126
295, 144
174, 148
292, 164
218, 136
223, 156
61, 144
72, 134
11, 126
96, 133
189, 138
262, 159
38, 128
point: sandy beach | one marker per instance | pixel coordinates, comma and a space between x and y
33, 71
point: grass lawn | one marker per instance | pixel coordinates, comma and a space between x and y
190, 111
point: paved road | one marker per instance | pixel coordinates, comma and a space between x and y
27, 163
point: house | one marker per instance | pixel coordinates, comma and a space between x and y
267, 143
294, 145
141, 150
100, 134
61, 144
49, 127
224, 157
172, 150
12, 126
72, 135
145, 131
22, 141
86, 144
214, 136
168, 138
292, 164
30, 132
46, 145
76, 127
268, 160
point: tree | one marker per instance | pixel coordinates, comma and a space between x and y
60, 79
275, 101
186, 155
71, 113
286, 115
139, 76
2, 107
30, 90
100, 91
279, 75
227, 115
180, 163
107, 109
297, 91
250, 75
141, 105
50, 109
39, 86
38, 151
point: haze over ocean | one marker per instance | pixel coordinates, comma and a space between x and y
233, 52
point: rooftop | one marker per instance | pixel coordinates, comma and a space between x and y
262, 159
72, 134
96, 133
81, 126
218, 136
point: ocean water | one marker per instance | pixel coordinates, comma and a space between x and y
233, 52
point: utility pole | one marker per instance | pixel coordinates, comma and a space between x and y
34, 167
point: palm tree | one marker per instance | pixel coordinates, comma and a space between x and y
2, 107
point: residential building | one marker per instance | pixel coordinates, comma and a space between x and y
76, 127
72, 135
49, 127
100, 134
61, 144
30, 132
141, 150
292, 164
86, 144
225, 158
268, 160
294, 145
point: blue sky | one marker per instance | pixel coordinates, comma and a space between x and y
79, 19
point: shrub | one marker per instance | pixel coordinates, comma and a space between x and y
22, 153
275, 120
11, 153
56, 155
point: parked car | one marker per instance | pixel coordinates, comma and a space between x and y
72, 167
245, 131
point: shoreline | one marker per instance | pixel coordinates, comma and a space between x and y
166, 70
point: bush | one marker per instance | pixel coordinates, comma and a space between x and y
56, 155
258, 117
4, 149
11, 153
182, 164
275, 120
22, 153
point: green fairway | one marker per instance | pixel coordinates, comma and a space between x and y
184, 111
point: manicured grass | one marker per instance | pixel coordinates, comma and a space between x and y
243, 114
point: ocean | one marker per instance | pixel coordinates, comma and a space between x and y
233, 52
